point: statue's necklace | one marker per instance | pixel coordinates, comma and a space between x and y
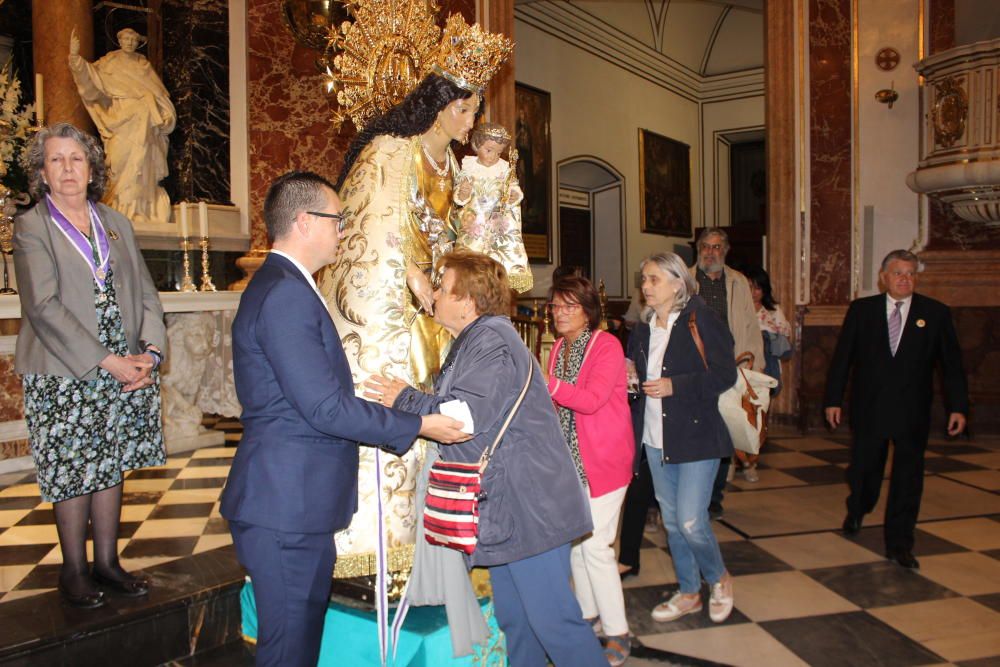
442, 172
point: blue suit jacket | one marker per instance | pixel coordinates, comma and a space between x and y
296, 468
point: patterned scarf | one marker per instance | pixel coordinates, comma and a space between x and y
568, 370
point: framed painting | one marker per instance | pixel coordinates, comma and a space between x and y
665, 184
534, 170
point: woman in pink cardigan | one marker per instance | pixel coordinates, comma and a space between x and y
587, 385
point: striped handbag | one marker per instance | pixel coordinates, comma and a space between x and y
454, 491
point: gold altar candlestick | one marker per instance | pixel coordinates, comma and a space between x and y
206, 278
187, 285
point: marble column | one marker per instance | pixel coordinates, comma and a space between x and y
53, 23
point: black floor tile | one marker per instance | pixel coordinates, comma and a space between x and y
879, 584
198, 483
43, 576
38, 518
992, 661
842, 455
160, 547
957, 449
925, 544
233, 654
23, 554
181, 511
993, 553
848, 640
992, 600
639, 603
216, 526
126, 529
743, 557
828, 474
155, 473
213, 461
20, 502
942, 464
141, 497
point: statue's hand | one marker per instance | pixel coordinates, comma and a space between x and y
464, 190
418, 283
74, 44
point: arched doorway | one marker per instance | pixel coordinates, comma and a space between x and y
591, 221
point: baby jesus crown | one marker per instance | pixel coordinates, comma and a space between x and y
468, 55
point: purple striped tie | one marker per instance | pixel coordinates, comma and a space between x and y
895, 327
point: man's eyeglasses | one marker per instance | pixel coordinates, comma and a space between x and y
340, 218
711, 246
563, 307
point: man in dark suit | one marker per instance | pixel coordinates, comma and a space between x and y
294, 479
894, 341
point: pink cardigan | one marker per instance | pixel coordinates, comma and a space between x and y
603, 421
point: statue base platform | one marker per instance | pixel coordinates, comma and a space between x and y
188, 443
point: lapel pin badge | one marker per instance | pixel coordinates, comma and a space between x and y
114, 236
921, 324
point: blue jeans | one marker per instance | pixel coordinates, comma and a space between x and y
683, 491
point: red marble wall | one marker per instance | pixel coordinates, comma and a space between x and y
289, 110
830, 161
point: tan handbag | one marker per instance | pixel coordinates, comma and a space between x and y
744, 405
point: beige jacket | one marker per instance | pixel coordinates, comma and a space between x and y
58, 334
742, 316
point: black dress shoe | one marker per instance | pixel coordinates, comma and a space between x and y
132, 587
85, 601
852, 524
631, 572
903, 557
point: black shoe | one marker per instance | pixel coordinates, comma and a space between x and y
903, 557
86, 601
852, 524
132, 587
715, 512
631, 572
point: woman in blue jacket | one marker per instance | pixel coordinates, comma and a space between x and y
676, 418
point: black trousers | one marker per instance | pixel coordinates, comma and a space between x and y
638, 500
719, 487
906, 483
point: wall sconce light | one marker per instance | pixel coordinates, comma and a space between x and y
887, 95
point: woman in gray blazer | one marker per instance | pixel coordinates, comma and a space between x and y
534, 505
91, 336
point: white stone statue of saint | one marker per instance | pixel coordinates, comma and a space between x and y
134, 114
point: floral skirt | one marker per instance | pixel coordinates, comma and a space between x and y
85, 433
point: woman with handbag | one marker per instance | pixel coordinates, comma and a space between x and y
676, 419
532, 504
587, 383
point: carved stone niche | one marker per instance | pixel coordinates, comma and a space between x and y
960, 153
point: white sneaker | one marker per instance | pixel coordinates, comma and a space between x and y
750, 474
720, 603
675, 607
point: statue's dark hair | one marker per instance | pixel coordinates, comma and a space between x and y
414, 115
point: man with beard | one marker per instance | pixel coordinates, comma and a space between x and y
727, 292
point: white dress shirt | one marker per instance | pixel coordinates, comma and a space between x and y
904, 310
652, 423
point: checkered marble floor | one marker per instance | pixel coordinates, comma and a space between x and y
805, 594
168, 512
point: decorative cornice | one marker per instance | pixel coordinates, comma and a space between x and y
575, 26
961, 277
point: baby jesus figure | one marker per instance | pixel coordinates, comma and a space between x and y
489, 201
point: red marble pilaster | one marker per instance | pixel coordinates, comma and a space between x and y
830, 161
11, 393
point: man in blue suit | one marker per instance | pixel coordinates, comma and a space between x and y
294, 479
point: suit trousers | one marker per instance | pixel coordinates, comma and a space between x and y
906, 483
638, 499
536, 610
291, 574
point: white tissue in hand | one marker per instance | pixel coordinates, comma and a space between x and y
458, 410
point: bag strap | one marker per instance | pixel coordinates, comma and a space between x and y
693, 326
488, 454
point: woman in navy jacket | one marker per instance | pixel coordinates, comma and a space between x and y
676, 418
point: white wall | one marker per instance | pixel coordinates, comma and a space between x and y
597, 109
718, 118
888, 147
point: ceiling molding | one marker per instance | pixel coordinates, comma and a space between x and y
711, 40
569, 23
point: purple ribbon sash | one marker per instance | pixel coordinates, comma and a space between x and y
99, 269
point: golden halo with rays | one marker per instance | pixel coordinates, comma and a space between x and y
384, 53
